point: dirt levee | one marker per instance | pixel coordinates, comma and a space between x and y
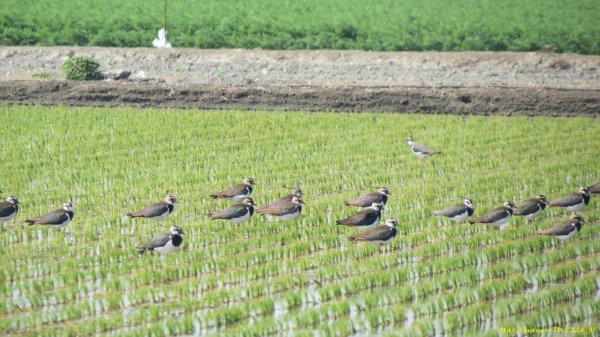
463, 83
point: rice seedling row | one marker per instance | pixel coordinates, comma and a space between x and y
301, 276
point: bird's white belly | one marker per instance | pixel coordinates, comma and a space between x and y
576, 208
241, 219
568, 236
240, 197
382, 242
161, 217
419, 154
286, 216
534, 214
166, 249
6, 218
461, 217
501, 224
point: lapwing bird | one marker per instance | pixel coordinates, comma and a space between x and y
498, 216
458, 212
236, 192
530, 208
594, 189
285, 210
163, 243
365, 218
9, 208
57, 218
379, 234
156, 211
281, 201
566, 228
420, 150
573, 202
237, 213
379, 197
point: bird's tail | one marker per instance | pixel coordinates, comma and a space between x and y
30, 222
214, 196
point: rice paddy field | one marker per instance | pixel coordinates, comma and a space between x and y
390, 25
301, 277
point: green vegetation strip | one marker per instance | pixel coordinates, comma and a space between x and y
263, 278
309, 24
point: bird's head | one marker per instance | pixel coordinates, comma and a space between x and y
12, 199
384, 191
176, 230
377, 206
170, 199
391, 223
248, 201
297, 200
68, 206
509, 204
468, 202
577, 217
249, 181
541, 198
584, 190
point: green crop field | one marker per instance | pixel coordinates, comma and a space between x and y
301, 277
514, 25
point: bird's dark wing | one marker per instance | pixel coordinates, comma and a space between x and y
569, 200
361, 218
494, 215
276, 204
232, 191
379, 233
423, 149
55, 217
452, 211
232, 212
152, 211
561, 228
158, 241
365, 200
6, 209
527, 207
283, 209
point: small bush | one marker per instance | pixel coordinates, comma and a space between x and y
81, 68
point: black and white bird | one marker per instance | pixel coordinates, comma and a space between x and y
594, 189
379, 197
9, 208
365, 218
163, 243
458, 212
285, 210
498, 216
157, 211
573, 202
379, 234
420, 150
236, 192
237, 213
281, 201
565, 229
532, 207
57, 218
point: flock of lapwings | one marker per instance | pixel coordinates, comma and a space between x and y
371, 205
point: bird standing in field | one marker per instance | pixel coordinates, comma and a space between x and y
565, 229
237, 213
379, 234
379, 197
594, 189
420, 150
365, 218
9, 208
285, 210
281, 201
236, 192
157, 211
573, 202
163, 243
532, 207
498, 216
458, 212
57, 218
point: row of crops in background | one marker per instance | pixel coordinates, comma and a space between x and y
309, 24
301, 277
